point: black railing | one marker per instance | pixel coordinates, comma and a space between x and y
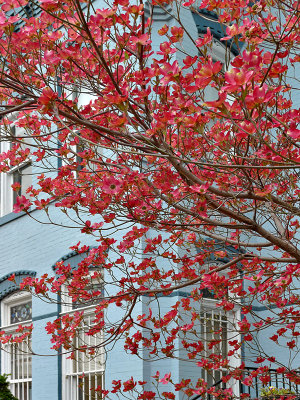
277, 380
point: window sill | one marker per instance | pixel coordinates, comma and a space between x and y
18, 167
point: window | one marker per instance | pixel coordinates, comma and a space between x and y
85, 371
207, 343
30, 9
73, 145
217, 328
16, 360
213, 330
214, 327
21, 174
73, 159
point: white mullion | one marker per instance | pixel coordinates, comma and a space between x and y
27, 365
10, 364
217, 326
67, 390
90, 343
22, 369
71, 388
75, 388
11, 385
90, 386
83, 386
20, 359
17, 363
14, 363
205, 333
96, 385
205, 340
212, 330
75, 363
99, 382
66, 387
11, 361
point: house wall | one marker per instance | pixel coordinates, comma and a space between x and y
31, 246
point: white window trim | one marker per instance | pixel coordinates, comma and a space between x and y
6, 179
11, 301
72, 380
83, 99
208, 305
20, 386
232, 318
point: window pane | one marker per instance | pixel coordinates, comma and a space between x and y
21, 312
26, 178
85, 372
92, 288
20, 369
23, 176
214, 326
17, 361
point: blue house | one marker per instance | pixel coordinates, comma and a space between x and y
30, 249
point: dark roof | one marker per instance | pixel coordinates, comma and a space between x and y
208, 19
31, 9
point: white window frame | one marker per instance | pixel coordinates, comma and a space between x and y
208, 306
16, 359
83, 99
74, 149
85, 372
230, 318
7, 179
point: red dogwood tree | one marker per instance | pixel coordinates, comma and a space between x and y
193, 158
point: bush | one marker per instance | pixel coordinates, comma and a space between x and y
5, 393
